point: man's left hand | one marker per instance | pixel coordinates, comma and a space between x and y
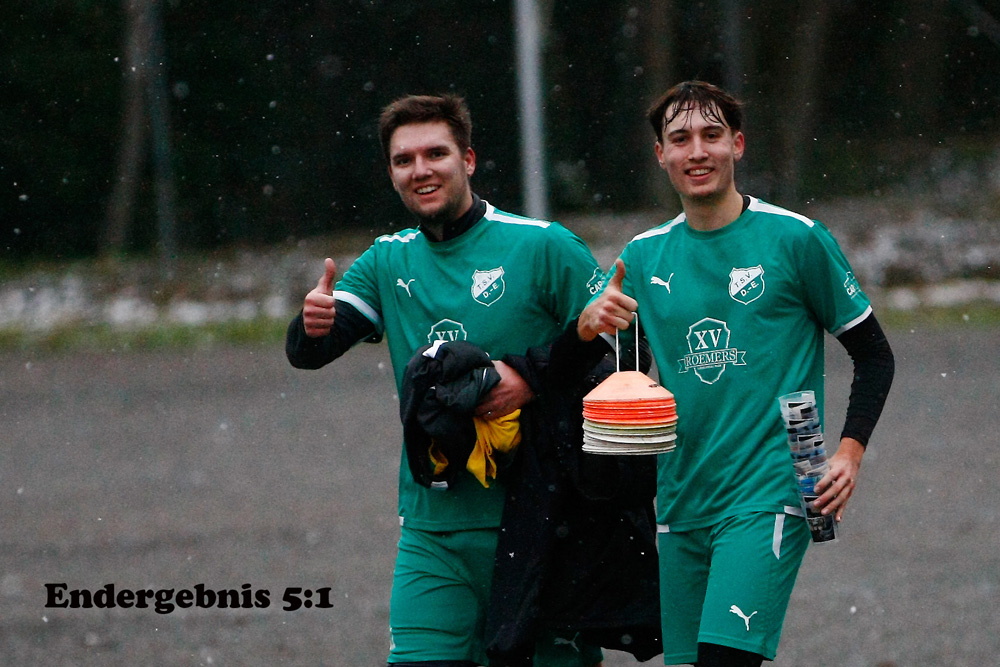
512, 393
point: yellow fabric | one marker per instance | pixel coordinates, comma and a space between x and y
501, 435
438, 458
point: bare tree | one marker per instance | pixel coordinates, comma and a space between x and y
924, 54
146, 106
734, 46
798, 126
659, 71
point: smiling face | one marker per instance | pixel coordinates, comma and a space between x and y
430, 172
699, 152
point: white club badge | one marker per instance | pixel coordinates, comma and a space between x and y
488, 286
746, 285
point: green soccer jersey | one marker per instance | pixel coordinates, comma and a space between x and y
506, 284
735, 318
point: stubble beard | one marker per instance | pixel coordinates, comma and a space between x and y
450, 211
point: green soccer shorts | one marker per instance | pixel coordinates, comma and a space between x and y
729, 584
440, 591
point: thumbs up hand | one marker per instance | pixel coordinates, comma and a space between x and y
318, 311
616, 280
611, 311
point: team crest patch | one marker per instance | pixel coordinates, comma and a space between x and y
851, 285
448, 331
488, 286
746, 285
708, 343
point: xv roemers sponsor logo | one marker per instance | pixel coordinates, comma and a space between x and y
709, 350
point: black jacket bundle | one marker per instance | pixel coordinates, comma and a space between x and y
442, 385
577, 546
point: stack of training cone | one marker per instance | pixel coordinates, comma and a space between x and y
629, 413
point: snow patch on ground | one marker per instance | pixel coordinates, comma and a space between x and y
904, 259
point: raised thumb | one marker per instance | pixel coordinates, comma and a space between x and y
325, 283
619, 276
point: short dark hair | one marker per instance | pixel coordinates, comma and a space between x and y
427, 109
714, 103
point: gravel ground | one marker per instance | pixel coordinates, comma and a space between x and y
224, 466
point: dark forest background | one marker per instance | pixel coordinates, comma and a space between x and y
178, 126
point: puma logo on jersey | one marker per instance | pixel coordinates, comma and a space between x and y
406, 285
739, 612
656, 280
562, 641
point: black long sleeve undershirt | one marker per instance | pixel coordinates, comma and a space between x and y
349, 328
874, 368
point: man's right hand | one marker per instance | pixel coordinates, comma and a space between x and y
318, 311
611, 311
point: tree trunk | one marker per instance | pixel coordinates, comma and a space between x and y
733, 45
131, 156
799, 122
659, 73
146, 103
159, 119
